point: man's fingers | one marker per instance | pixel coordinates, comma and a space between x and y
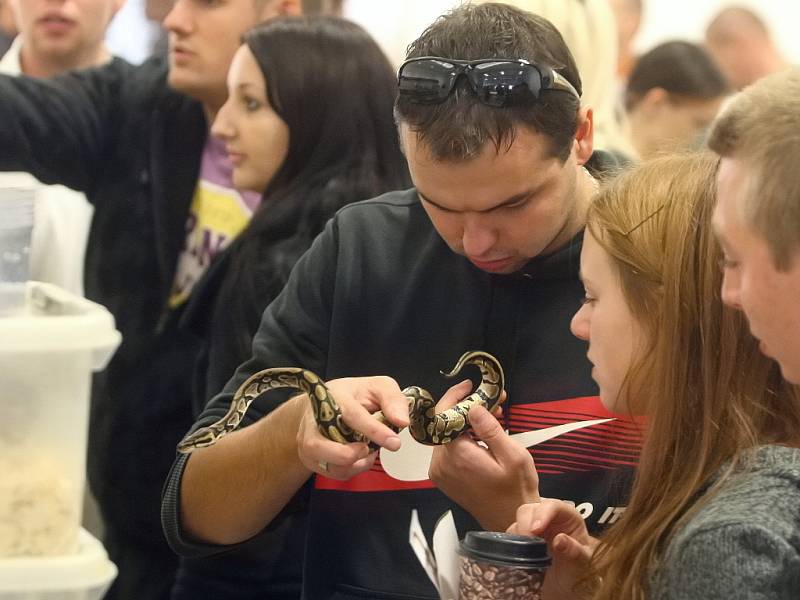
358, 398
385, 394
491, 432
347, 471
360, 419
454, 395
484, 425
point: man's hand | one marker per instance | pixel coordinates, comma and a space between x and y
570, 544
358, 398
488, 482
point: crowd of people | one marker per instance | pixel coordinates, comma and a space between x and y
621, 231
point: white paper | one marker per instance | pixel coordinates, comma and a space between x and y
441, 564
445, 552
416, 537
413, 460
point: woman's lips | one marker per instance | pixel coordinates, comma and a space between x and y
237, 158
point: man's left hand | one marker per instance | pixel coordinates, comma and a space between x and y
488, 482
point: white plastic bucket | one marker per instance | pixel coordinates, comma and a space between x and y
83, 575
47, 355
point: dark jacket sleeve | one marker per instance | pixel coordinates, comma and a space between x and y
61, 129
293, 332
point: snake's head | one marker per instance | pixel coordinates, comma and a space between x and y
201, 438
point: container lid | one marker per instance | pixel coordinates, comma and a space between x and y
55, 320
88, 568
506, 549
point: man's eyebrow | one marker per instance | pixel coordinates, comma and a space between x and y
515, 199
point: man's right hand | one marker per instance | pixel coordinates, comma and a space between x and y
358, 398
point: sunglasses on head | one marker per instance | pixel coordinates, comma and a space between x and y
495, 81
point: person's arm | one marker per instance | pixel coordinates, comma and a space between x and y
232, 490
61, 129
732, 562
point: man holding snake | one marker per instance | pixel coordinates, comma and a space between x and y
481, 255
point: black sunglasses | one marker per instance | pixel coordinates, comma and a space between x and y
495, 81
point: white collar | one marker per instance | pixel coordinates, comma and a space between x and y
11, 64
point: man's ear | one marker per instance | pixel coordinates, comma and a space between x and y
583, 144
653, 100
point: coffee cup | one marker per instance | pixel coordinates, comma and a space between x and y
502, 565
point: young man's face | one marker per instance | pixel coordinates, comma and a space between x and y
58, 30
500, 210
203, 37
752, 283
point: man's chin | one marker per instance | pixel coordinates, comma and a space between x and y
181, 81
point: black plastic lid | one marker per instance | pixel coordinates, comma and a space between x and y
506, 549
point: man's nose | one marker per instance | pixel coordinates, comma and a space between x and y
177, 19
478, 237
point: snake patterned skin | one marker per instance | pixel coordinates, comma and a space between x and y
426, 426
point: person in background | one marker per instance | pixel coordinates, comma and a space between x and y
308, 149
628, 15
480, 254
673, 93
588, 28
742, 45
8, 28
715, 508
324, 7
135, 141
55, 38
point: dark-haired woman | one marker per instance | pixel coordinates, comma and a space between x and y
674, 92
309, 124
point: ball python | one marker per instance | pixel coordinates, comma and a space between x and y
425, 424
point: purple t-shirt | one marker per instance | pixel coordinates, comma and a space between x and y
218, 213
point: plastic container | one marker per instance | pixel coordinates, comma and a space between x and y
16, 228
502, 565
47, 355
83, 575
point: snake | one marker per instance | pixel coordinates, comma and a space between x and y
425, 424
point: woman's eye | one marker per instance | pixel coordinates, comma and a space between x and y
727, 263
587, 299
251, 104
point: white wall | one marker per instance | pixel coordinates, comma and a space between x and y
687, 19
130, 34
396, 23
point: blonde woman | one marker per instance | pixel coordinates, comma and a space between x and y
715, 508
590, 32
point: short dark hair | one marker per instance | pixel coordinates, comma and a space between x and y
680, 68
459, 127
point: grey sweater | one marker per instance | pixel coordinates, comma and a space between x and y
745, 543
